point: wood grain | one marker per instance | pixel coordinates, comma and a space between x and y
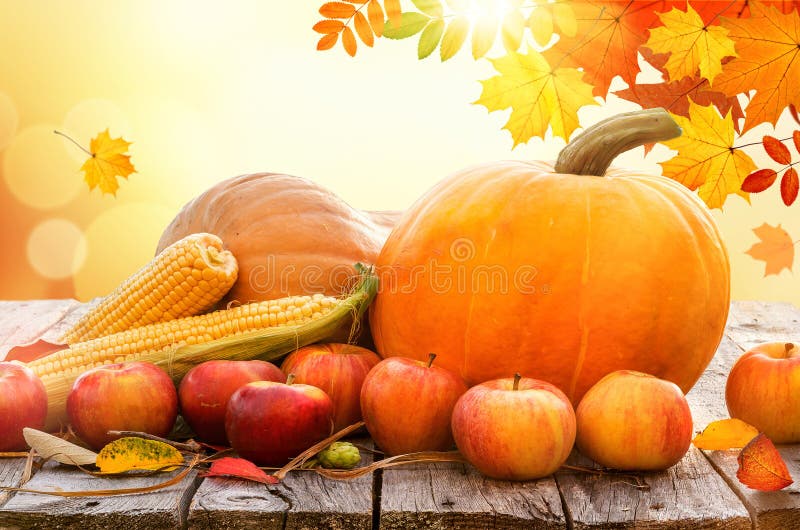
302, 500
11, 470
451, 495
163, 508
751, 323
25, 322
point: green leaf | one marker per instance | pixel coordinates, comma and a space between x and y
411, 23
430, 38
431, 7
454, 37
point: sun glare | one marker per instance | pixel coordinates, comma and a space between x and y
480, 9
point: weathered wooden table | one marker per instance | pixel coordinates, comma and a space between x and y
701, 491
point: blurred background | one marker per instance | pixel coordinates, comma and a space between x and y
206, 92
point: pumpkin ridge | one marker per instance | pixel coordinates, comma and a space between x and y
583, 323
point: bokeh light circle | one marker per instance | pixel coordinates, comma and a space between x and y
120, 241
38, 170
9, 119
90, 117
56, 248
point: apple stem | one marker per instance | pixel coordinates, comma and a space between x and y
431, 357
789, 347
290, 379
517, 377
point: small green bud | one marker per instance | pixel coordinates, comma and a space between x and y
339, 455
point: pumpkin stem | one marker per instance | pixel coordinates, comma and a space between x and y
591, 152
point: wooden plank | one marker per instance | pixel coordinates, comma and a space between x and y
302, 500
688, 495
11, 471
748, 324
24, 322
165, 508
452, 495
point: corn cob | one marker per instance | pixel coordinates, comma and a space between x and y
187, 278
261, 330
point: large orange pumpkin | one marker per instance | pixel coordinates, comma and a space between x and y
555, 273
289, 235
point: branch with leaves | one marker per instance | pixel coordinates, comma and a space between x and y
726, 67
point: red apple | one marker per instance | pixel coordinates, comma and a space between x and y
339, 370
205, 390
514, 428
271, 423
133, 396
407, 405
763, 389
634, 421
23, 403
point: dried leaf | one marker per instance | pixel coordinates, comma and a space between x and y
394, 13
337, 10
767, 44
326, 42
410, 24
54, 448
539, 95
776, 248
512, 29
32, 351
363, 29
238, 468
128, 453
454, 37
761, 466
430, 37
328, 26
776, 150
726, 434
107, 162
483, 34
691, 44
789, 186
349, 41
430, 7
375, 16
707, 160
758, 181
540, 23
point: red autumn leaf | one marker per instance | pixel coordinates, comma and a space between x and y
793, 112
789, 186
776, 150
761, 466
607, 41
711, 11
35, 350
760, 180
796, 139
229, 467
776, 248
327, 41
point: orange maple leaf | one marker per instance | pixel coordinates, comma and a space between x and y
107, 162
776, 248
607, 40
768, 48
761, 466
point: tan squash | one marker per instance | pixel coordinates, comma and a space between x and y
289, 235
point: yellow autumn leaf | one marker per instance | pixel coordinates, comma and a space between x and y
691, 45
539, 95
727, 434
107, 162
707, 160
130, 452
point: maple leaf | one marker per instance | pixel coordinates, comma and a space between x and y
107, 162
767, 44
538, 95
707, 160
776, 248
607, 40
725, 434
691, 44
761, 466
239, 468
